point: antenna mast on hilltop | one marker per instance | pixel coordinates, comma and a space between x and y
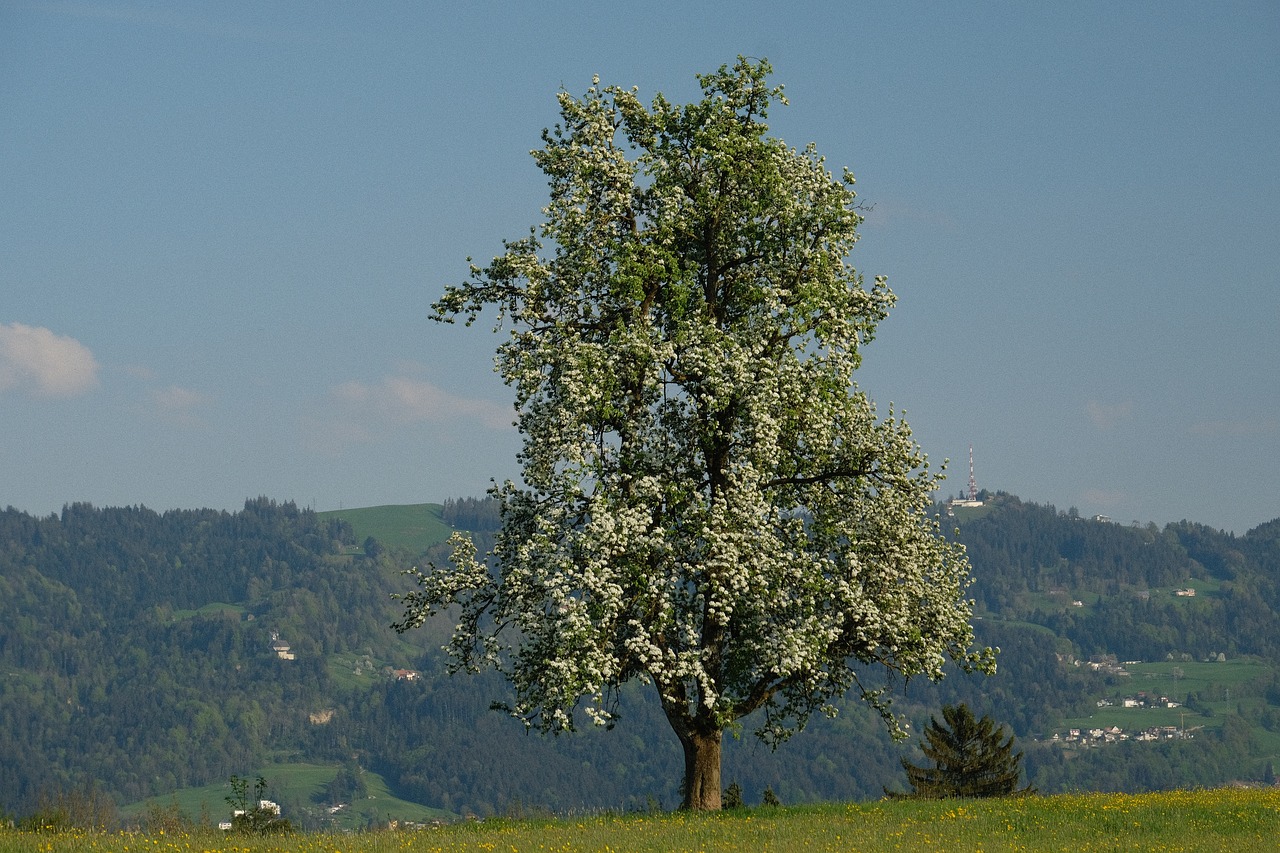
973, 484
971, 499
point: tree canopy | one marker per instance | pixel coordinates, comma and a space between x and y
971, 758
709, 502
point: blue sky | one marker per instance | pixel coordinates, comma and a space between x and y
222, 226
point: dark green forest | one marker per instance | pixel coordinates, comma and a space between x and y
145, 652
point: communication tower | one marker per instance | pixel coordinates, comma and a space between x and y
973, 484
969, 499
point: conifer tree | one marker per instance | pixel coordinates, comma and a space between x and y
970, 758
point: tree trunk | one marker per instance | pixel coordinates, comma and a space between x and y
701, 772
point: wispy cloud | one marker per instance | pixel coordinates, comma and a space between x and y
363, 413
35, 360
1109, 415
407, 400
177, 404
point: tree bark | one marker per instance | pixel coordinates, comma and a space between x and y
701, 771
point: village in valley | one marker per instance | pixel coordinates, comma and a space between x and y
1105, 735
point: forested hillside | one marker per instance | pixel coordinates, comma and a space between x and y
147, 652
136, 647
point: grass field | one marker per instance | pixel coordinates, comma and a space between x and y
1175, 680
1236, 820
211, 609
298, 781
411, 527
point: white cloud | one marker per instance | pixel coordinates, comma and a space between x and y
1108, 415
367, 413
176, 404
36, 360
407, 400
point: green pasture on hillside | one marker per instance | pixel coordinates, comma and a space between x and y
1224, 687
360, 670
1063, 599
1176, 679
1235, 820
212, 609
410, 527
294, 783
961, 514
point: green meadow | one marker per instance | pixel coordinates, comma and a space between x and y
410, 527
303, 782
1237, 820
1213, 681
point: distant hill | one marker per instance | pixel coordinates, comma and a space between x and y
154, 655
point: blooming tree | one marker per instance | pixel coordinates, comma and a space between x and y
709, 503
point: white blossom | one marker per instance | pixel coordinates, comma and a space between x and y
709, 502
